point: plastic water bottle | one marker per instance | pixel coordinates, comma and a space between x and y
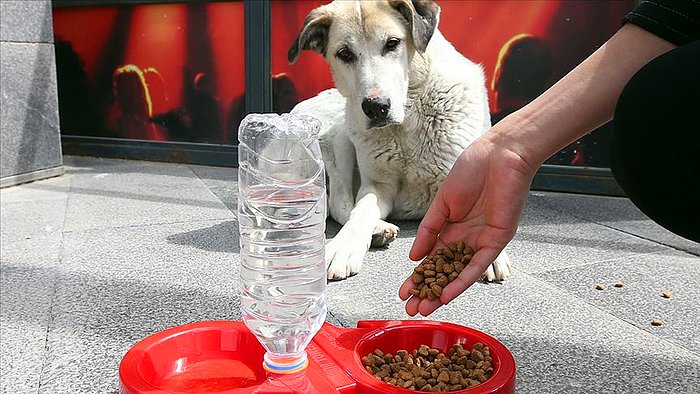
282, 223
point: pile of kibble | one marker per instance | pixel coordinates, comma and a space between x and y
428, 369
439, 269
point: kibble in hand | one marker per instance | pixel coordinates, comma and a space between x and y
439, 269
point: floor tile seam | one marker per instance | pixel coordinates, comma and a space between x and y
137, 226
617, 229
209, 189
54, 293
335, 318
199, 178
34, 200
610, 260
19, 42
613, 316
49, 326
65, 211
656, 241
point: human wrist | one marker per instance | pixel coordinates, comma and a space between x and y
517, 134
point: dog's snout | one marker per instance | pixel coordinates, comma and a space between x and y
376, 108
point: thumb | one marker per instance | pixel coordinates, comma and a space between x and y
429, 229
470, 274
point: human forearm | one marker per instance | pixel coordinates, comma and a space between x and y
581, 101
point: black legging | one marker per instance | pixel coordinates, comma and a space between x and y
656, 143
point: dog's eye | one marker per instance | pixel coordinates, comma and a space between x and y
391, 44
345, 55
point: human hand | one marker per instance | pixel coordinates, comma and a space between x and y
479, 203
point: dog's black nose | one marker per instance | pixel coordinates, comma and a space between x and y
376, 108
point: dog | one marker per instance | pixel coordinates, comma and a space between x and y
406, 104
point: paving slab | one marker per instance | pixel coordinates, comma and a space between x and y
115, 193
26, 294
56, 188
617, 213
222, 182
116, 286
547, 239
31, 230
30, 248
639, 300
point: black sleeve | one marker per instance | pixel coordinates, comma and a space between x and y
676, 21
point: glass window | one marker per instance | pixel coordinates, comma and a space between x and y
524, 46
310, 74
158, 72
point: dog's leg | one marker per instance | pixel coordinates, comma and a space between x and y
345, 252
384, 233
337, 150
339, 160
500, 268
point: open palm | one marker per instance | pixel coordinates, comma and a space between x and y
479, 203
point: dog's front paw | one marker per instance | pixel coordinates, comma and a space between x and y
500, 269
384, 233
344, 255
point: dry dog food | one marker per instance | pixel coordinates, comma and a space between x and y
657, 322
600, 286
619, 284
428, 369
667, 294
439, 269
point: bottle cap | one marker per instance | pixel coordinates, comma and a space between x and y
285, 364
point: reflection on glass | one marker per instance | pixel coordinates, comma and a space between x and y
158, 72
524, 46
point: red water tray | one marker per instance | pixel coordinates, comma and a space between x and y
224, 357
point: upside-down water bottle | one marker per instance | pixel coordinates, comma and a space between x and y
281, 215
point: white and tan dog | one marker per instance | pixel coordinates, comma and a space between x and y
406, 105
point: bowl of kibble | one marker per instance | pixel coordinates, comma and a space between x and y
433, 356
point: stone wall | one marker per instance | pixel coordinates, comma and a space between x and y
30, 144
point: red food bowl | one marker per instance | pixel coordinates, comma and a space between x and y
224, 357
409, 335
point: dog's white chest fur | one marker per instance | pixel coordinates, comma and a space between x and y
414, 165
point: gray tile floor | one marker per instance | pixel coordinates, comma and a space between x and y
113, 251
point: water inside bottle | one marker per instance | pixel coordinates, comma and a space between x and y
283, 275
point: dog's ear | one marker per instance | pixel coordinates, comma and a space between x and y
313, 35
422, 16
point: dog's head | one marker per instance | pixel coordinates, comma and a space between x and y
369, 46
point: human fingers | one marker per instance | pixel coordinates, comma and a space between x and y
406, 287
424, 306
470, 274
412, 306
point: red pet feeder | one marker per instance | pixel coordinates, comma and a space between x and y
224, 357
